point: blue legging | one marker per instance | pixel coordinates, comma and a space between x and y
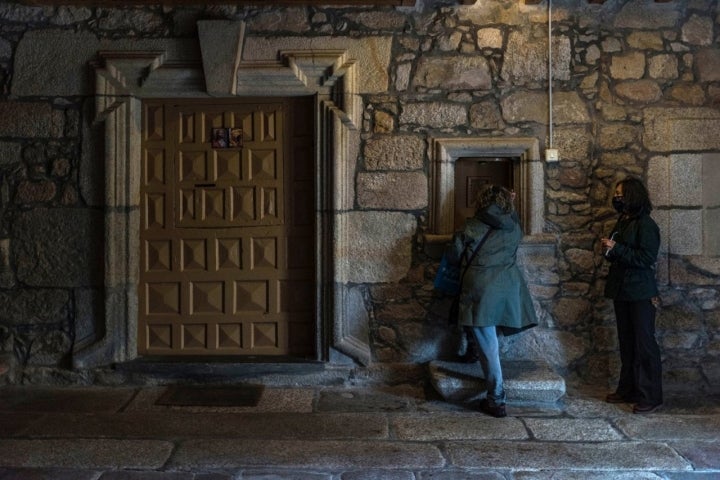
487, 340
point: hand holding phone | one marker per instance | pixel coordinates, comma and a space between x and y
608, 243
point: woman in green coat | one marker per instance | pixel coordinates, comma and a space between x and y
494, 294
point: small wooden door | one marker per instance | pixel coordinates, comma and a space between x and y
470, 174
227, 228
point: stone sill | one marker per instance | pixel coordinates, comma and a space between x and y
434, 243
537, 239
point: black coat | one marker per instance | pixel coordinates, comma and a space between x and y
632, 272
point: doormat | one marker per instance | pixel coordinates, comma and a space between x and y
211, 396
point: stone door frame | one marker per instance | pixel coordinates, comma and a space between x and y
529, 178
124, 79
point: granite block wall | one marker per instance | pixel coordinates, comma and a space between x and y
636, 89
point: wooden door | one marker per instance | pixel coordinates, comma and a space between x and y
227, 227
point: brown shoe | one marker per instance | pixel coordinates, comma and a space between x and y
646, 407
498, 411
615, 398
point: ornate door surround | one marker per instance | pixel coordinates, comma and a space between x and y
125, 78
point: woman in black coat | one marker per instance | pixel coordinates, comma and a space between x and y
632, 249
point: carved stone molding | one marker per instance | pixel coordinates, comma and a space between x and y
220, 65
120, 75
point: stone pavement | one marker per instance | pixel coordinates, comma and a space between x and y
334, 433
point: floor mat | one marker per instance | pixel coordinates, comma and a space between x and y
211, 395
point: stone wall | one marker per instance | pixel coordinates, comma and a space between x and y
636, 89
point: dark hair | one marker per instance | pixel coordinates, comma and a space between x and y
635, 196
489, 194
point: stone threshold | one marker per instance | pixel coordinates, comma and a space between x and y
268, 370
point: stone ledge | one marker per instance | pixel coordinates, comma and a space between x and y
525, 381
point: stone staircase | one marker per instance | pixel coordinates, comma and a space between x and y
526, 381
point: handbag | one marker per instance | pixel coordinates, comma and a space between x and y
454, 312
447, 279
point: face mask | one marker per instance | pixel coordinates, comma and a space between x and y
618, 204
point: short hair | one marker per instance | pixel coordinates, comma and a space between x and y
494, 194
635, 196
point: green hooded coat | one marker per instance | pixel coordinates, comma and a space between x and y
494, 292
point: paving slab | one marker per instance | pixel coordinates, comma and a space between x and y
579, 407
449, 426
690, 476
125, 475
214, 476
281, 474
47, 474
75, 399
460, 475
321, 455
362, 401
680, 403
11, 423
667, 427
376, 474
589, 400
584, 475
278, 474
703, 455
84, 453
175, 425
573, 430
565, 455
299, 400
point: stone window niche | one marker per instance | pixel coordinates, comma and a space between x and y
527, 177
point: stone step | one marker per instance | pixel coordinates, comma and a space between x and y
526, 381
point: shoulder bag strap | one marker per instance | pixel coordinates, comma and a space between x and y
475, 252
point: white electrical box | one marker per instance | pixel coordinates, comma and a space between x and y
552, 155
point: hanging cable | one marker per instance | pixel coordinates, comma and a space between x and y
550, 75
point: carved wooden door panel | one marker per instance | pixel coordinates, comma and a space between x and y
226, 231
